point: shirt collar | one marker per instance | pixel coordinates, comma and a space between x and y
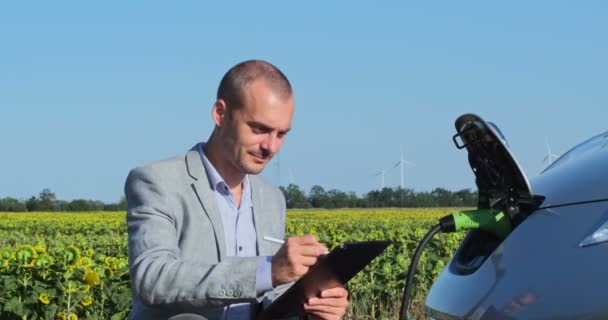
215, 179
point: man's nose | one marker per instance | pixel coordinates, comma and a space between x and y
272, 143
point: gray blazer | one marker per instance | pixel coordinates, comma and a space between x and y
177, 254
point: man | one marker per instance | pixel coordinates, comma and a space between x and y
196, 223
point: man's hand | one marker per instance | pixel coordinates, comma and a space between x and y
294, 259
330, 305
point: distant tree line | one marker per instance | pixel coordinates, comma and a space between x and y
295, 197
47, 201
318, 197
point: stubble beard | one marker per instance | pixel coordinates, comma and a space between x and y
249, 166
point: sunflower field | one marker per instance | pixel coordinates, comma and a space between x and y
75, 265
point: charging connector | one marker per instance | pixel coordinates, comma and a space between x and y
489, 220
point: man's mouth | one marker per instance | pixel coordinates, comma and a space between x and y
260, 157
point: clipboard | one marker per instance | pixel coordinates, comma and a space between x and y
332, 270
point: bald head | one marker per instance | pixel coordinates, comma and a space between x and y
235, 82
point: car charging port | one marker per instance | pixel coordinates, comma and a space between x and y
476, 247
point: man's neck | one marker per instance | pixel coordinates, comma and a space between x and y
233, 179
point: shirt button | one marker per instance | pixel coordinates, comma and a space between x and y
240, 248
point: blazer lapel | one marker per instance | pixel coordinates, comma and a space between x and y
261, 225
206, 197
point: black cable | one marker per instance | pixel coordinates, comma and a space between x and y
410, 272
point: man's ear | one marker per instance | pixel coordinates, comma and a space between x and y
219, 112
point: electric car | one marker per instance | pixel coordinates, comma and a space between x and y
554, 262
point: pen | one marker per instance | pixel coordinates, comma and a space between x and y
275, 240
279, 241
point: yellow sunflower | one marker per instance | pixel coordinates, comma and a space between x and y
7, 254
25, 254
108, 272
72, 255
60, 316
40, 248
72, 316
85, 262
89, 252
91, 277
44, 261
87, 300
31, 264
44, 298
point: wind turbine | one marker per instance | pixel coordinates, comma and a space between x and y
291, 179
550, 155
381, 173
278, 164
401, 163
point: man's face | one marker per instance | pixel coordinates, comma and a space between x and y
254, 133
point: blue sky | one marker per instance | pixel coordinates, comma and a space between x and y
90, 90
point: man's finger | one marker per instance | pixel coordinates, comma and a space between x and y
325, 312
318, 310
328, 302
306, 261
337, 292
307, 240
308, 251
304, 240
